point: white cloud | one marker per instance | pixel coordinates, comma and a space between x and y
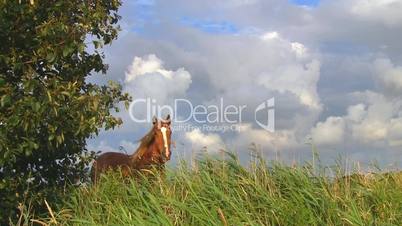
297, 72
270, 36
238, 3
150, 64
147, 78
389, 75
242, 139
299, 79
209, 141
378, 121
356, 113
374, 124
329, 132
299, 49
385, 11
370, 131
395, 132
248, 69
276, 141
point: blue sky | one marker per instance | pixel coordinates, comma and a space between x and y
306, 2
144, 13
215, 27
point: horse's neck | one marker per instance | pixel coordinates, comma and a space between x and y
137, 154
141, 151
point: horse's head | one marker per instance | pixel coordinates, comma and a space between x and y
162, 133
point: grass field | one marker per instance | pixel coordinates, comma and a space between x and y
218, 192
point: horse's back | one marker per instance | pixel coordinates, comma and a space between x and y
110, 160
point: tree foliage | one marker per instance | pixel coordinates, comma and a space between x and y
48, 109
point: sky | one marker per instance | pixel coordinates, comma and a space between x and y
334, 69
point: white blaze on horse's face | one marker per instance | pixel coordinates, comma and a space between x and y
165, 141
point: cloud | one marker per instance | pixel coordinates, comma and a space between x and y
298, 79
357, 113
329, 132
299, 49
199, 140
247, 70
298, 74
273, 35
376, 122
147, 78
394, 132
241, 139
270, 141
388, 75
384, 11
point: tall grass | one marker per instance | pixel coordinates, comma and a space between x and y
223, 192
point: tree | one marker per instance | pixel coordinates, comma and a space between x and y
48, 109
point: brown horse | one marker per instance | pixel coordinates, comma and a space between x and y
154, 151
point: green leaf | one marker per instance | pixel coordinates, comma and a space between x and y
5, 100
97, 44
36, 106
49, 96
95, 104
28, 152
51, 57
81, 47
67, 51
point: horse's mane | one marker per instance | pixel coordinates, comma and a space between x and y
144, 144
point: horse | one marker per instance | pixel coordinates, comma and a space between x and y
153, 151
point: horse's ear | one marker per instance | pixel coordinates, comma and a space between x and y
154, 120
168, 119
